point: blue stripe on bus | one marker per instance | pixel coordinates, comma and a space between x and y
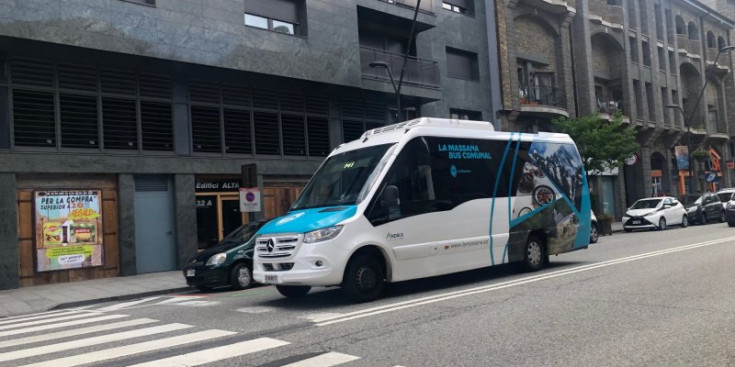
510, 191
495, 193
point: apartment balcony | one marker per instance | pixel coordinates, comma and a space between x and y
398, 13
601, 12
420, 73
549, 6
425, 6
543, 101
607, 107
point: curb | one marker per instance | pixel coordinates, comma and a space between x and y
123, 297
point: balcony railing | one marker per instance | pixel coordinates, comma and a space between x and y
542, 95
425, 7
608, 106
419, 72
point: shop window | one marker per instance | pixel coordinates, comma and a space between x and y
120, 130
266, 133
205, 129
282, 16
462, 64
34, 118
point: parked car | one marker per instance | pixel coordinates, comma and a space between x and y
227, 263
730, 212
725, 196
703, 208
594, 229
655, 213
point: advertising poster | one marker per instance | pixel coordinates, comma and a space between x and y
682, 157
68, 229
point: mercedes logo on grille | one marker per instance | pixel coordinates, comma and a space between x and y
270, 245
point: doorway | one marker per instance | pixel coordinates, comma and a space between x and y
217, 215
154, 224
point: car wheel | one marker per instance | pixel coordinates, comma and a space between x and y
703, 220
241, 276
293, 291
534, 255
722, 217
364, 278
662, 224
594, 234
684, 221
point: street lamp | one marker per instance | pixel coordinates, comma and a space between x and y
688, 120
384, 65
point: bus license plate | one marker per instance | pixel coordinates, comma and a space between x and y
191, 273
272, 279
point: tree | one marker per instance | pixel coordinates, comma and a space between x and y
602, 144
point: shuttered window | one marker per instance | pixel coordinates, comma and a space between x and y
34, 118
294, 137
266, 133
283, 16
361, 115
120, 129
156, 122
238, 137
462, 64
206, 129
79, 128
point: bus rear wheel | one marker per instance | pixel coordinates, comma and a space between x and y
534, 254
364, 278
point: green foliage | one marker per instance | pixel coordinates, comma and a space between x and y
602, 144
700, 153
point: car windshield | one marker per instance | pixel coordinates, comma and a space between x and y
646, 204
342, 178
724, 196
241, 235
691, 199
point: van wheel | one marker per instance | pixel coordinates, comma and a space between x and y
241, 276
364, 278
534, 255
594, 234
293, 291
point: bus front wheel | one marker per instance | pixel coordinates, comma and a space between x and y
364, 278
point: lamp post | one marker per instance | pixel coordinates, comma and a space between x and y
688, 119
384, 65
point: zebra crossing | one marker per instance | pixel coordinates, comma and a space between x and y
85, 337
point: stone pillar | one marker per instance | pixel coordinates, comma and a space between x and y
185, 218
126, 223
9, 251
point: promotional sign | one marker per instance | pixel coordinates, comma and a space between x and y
68, 229
682, 157
249, 199
730, 164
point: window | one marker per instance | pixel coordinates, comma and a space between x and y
661, 59
672, 62
646, 53
633, 49
283, 16
638, 99
142, 2
462, 65
651, 104
711, 42
459, 6
465, 114
693, 31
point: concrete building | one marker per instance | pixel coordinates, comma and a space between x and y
577, 58
147, 110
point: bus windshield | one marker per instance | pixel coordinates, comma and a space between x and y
342, 178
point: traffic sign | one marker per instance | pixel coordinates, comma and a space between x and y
710, 177
249, 199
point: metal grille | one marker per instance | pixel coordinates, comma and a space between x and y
205, 129
203, 92
292, 101
369, 125
351, 108
120, 128
79, 127
236, 95
294, 139
375, 110
317, 105
265, 99
318, 128
238, 139
284, 245
155, 85
352, 130
266, 133
34, 117
79, 77
157, 124
118, 82
31, 72
151, 183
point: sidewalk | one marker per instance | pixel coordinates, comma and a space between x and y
616, 226
47, 297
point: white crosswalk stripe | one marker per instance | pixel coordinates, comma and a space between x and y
60, 325
215, 354
119, 306
73, 332
324, 360
35, 317
46, 321
37, 314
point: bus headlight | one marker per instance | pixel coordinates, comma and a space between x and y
322, 234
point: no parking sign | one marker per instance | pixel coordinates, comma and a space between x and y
249, 199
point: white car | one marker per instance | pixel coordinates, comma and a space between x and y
725, 196
594, 231
655, 213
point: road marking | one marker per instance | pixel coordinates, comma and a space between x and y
60, 325
74, 332
216, 354
324, 360
119, 306
257, 309
48, 321
196, 303
112, 353
179, 299
531, 279
35, 317
70, 345
40, 313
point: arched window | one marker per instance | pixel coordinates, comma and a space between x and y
721, 42
681, 27
711, 42
692, 31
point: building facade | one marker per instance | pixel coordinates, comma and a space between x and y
142, 114
578, 58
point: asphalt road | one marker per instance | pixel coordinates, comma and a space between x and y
663, 298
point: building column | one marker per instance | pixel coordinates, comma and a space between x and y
9, 251
185, 213
126, 223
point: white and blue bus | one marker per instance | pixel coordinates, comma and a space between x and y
423, 198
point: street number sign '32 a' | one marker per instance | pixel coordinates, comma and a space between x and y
249, 199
